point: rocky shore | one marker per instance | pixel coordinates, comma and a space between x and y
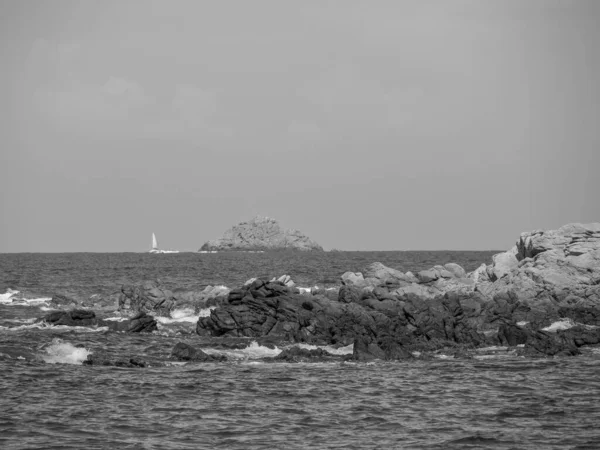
540, 298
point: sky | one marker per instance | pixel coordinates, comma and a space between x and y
367, 125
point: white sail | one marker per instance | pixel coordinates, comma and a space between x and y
155, 248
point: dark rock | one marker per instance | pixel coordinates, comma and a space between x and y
185, 352
349, 294
139, 323
73, 318
297, 354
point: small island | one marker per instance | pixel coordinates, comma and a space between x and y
261, 234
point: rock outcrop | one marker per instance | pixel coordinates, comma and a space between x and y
547, 277
139, 323
148, 296
260, 234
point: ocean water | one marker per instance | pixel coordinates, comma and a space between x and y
48, 399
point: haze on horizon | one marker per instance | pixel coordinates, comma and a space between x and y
383, 125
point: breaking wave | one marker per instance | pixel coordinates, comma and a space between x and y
60, 352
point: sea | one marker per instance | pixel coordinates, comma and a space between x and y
50, 400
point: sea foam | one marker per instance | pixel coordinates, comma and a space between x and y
60, 352
252, 351
185, 315
7, 299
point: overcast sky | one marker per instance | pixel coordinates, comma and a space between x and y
368, 125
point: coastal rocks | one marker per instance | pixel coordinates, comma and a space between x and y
260, 234
381, 325
148, 296
185, 352
556, 273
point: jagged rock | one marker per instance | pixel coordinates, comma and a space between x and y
148, 296
546, 277
556, 273
261, 233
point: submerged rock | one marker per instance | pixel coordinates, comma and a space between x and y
297, 354
73, 318
261, 233
139, 323
185, 352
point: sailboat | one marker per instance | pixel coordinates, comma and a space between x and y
155, 248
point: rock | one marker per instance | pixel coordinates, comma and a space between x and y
557, 273
185, 352
547, 276
73, 318
353, 279
297, 354
455, 270
427, 276
350, 294
504, 263
100, 359
148, 296
387, 349
259, 234
376, 274
60, 301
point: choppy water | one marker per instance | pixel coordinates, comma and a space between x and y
50, 400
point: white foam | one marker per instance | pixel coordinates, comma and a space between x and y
117, 319
347, 350
307, 290
6, 297
185, 315
522, 323
59, 352
253, 351
47, 326
563, 324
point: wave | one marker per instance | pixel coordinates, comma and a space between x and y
7, 299
252, 351
185, 315
60, 352
565, 324
255, 351
347, 350
46, 326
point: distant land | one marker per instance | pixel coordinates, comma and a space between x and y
260, 234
